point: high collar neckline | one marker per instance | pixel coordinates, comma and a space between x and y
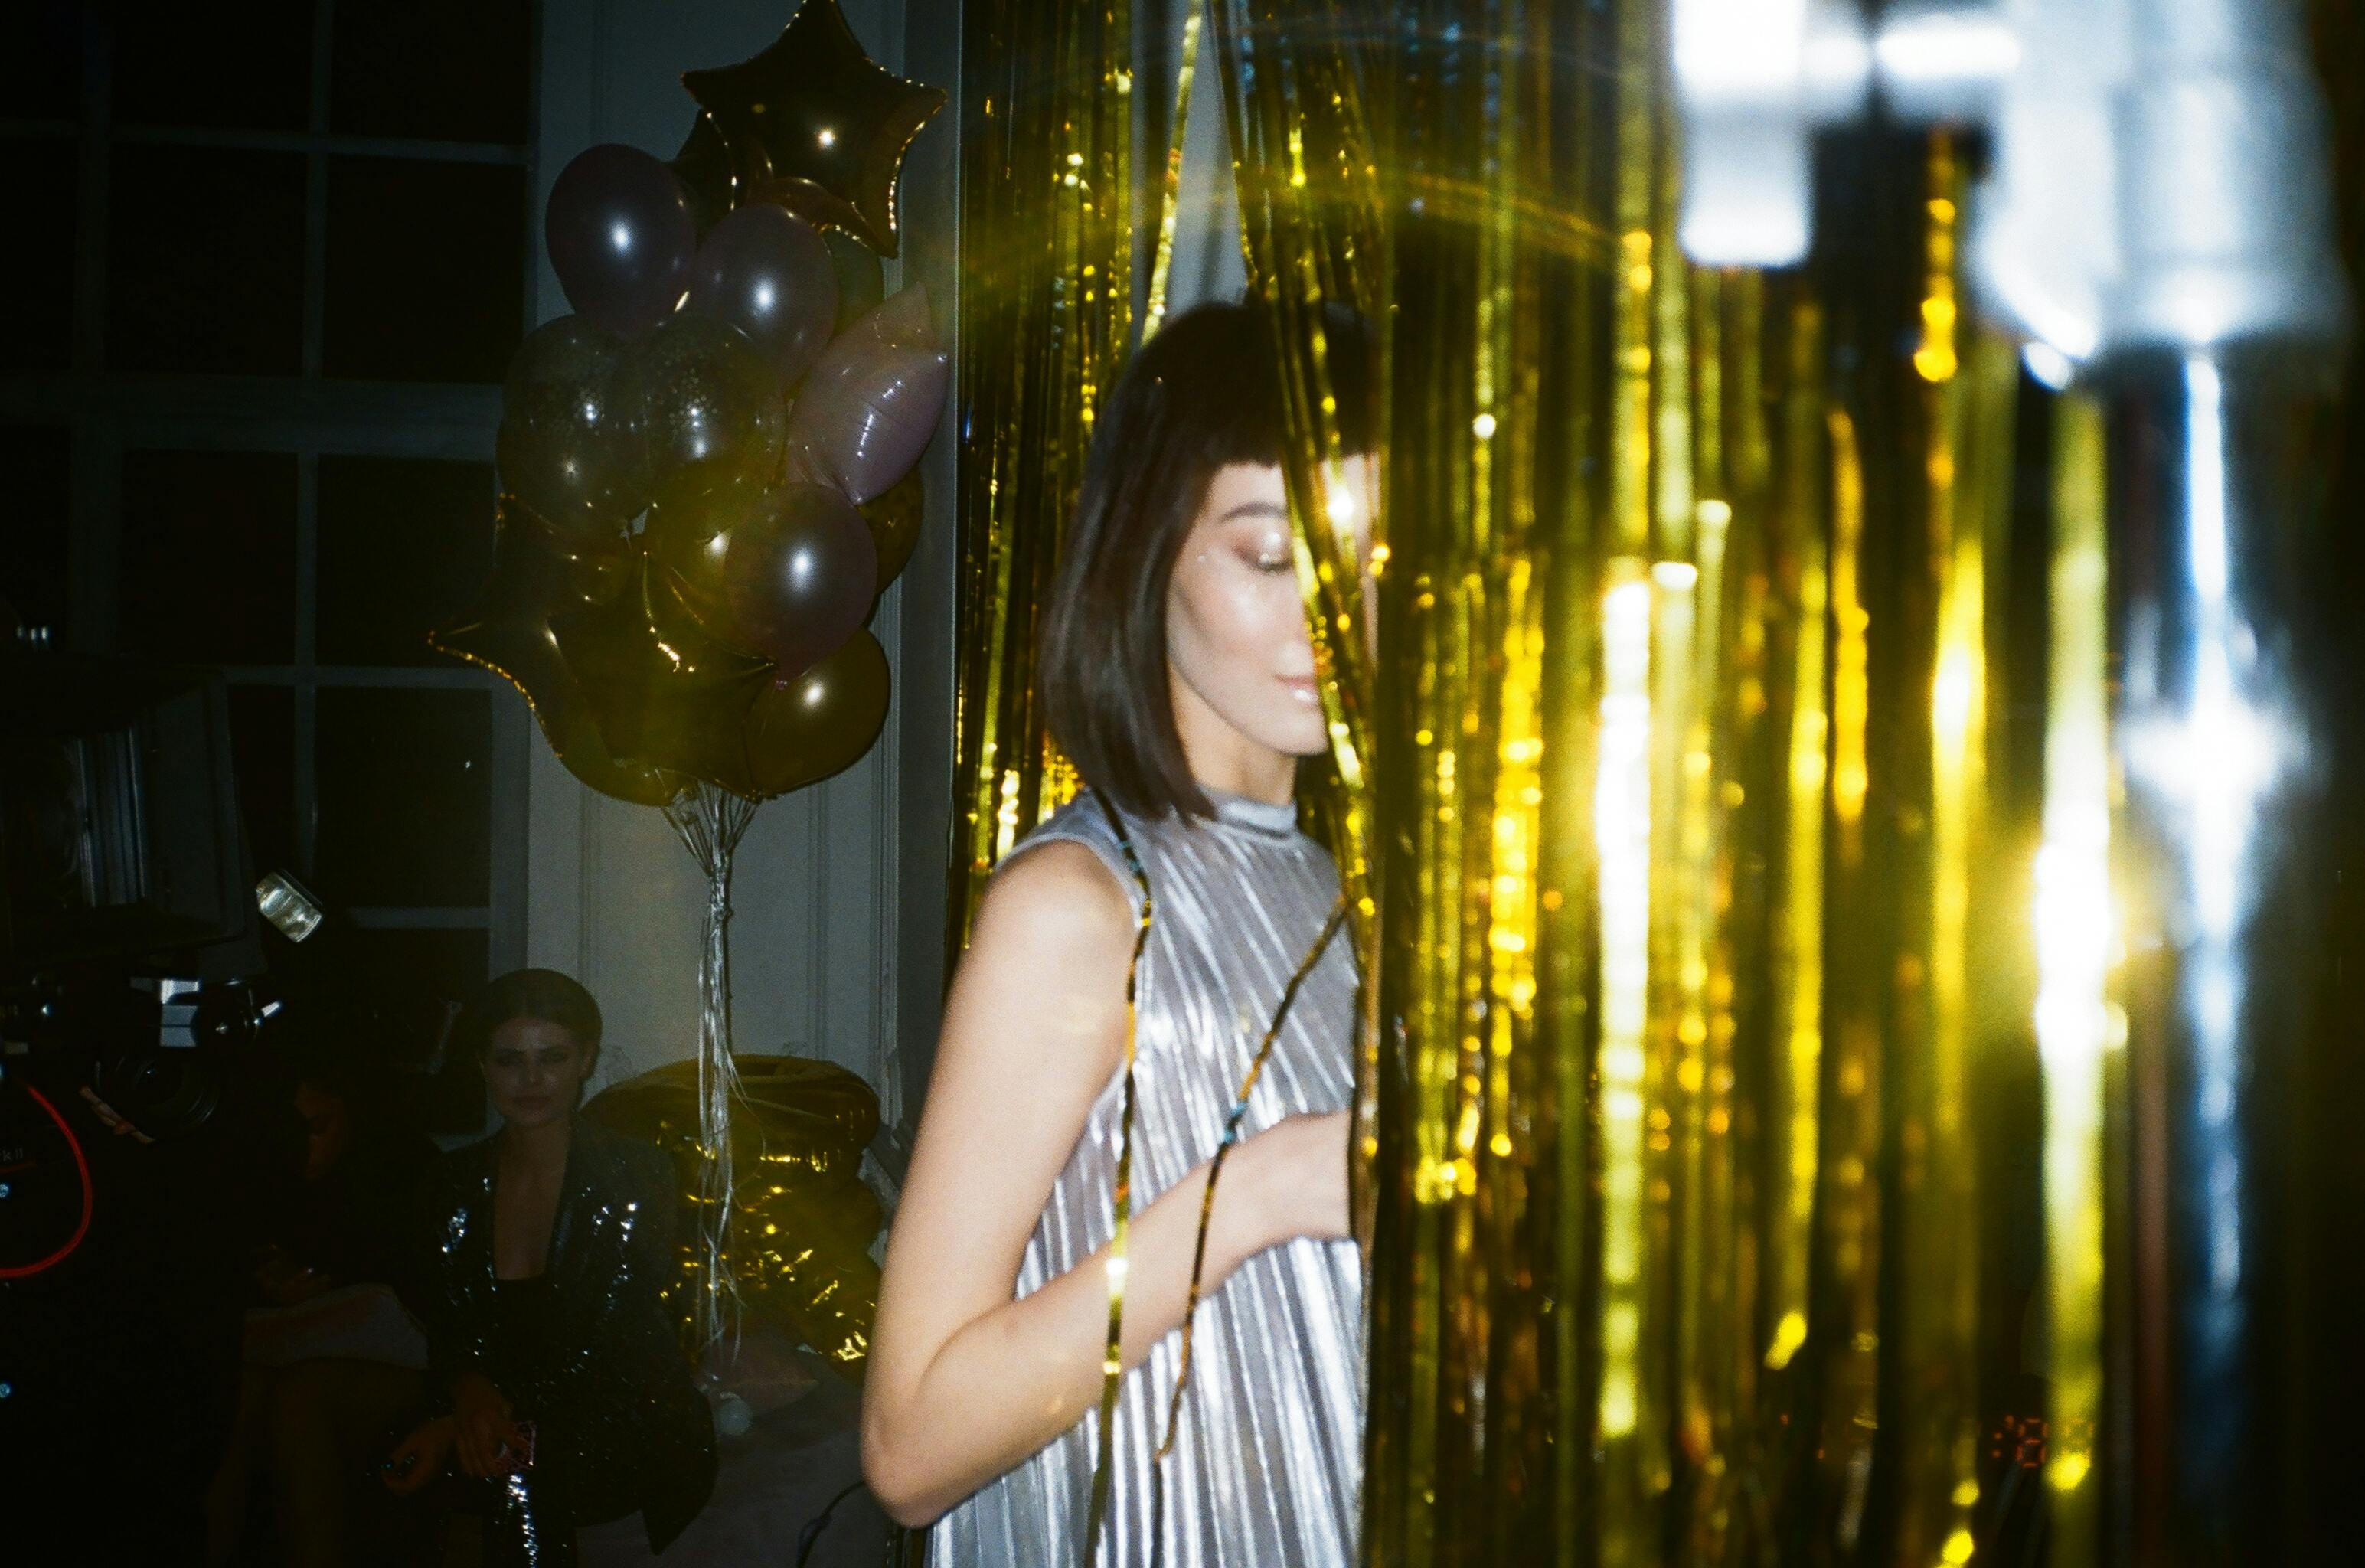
1276, 819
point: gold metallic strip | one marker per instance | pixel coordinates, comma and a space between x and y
1623, 846
2074, 929
1113, 1361
1851, 665
1943, 1479
1795, 1117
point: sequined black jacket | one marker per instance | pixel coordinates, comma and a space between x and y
619, 1422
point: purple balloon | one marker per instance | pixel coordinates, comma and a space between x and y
770, 277
789, 573
870, 406
621, 238
865, 437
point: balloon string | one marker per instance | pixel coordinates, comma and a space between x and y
710, 823
1112, 1365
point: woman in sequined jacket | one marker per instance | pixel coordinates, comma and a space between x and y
571, 1401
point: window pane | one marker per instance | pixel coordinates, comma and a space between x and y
405, 797
206, 253
451, 69
36, 279
263, 753
426, 270
36, 512
408, 982
40, 59
208, 556
247, 65
404, 548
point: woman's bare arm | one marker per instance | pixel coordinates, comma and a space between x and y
964, 1383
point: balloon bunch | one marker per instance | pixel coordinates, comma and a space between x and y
705, 486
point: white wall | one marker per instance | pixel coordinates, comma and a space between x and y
833, 950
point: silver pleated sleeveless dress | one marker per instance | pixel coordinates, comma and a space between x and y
1266, 1470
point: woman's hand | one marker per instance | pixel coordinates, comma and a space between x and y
420, 1457
1295, 1175
481, 1418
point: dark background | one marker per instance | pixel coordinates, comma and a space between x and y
263, 265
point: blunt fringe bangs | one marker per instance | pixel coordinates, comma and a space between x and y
541, 994
1204, 394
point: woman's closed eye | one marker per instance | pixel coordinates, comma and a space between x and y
1268, 552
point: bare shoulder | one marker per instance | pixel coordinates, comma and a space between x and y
1060, 895
1043, 980
1034, 1020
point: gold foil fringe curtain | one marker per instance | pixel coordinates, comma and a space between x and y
1048, 221
1313, 232
1695, 863
1669, 805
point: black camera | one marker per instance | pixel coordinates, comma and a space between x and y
129, 937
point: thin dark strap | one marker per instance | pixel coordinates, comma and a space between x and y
1113, 1363
1231, 1137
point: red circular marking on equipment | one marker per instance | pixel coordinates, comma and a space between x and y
81, 1169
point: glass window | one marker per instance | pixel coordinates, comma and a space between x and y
206, 261
405, 797
263, 754
251, 238
36, 509
40, 59
447, 70
208, 556
37, 264
246, 66
426, 270
405, 546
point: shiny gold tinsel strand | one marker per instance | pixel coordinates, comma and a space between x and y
1966, 474
1046, 230
1794, 1108
2076, 1022
1852, 1214
1313, 239
1665, 861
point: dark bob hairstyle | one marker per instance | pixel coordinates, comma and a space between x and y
541, 994
1204, 394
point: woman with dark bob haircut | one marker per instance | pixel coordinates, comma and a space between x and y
1178, 675
569, 1399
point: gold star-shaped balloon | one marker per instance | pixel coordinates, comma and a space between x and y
815, 125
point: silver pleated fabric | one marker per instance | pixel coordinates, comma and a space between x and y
1267, 1468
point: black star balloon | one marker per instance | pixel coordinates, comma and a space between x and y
663, 691
822, 124
538, 574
